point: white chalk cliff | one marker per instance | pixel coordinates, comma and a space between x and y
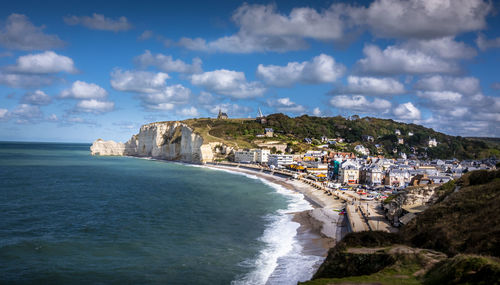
165, 140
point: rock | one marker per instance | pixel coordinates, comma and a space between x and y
165, 140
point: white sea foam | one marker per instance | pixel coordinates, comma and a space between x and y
281, 261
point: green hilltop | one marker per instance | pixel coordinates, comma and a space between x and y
244, 133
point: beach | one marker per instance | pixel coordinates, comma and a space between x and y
320, 227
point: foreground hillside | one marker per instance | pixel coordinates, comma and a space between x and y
292, 131
455, 241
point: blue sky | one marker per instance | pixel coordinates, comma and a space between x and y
80, 70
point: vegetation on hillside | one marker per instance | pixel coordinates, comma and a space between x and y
464, 225
244, 133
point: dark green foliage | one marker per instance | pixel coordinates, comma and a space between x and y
467, 221
464, 269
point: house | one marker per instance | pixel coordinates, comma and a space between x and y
324, 139
308, 140
397, 177
362, 150
397, 132
222, 116
410, 134
432, 142
269, 132
401, 141
349, 172
372, 175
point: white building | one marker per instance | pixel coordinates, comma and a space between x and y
397, 132
262, 155
246, 156
280, 160
361, 149
432, 142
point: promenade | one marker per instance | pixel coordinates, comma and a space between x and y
361, 215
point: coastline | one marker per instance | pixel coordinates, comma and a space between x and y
319, 228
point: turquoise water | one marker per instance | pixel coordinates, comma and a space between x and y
71, 218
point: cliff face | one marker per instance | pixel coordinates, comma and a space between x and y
167, 140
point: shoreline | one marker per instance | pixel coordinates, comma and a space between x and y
319, 228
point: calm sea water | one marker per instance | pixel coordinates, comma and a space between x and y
71, 218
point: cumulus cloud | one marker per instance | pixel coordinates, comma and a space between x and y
321, 69
441, 97
25, 80
371, 86
425, 19
19, 33
263, 28
43, 63
3, 113
317, 112
167, 99
37, 98
99, 22
397, 60
446, 48
190, 112
167, 63
285, 105
229, 83
483, 43
84, 90
94, 106
359, 103
466, 85
26, 113
407, 111
138, 81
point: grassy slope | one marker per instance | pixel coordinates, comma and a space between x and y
242, 133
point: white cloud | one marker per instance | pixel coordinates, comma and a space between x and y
167, 63
53, 118
407, 111
371, 86
466, 85
321, 69
317, 112
483, 43
25, 80
147, 34
263, 28
84, 90
229, 83
36, 98
360, 103
94, 106
425, 19
19, 33
99, 22
3, 113
25, 113
285, 105
397, 60
446, 48
441, 97
167, 99
190, 112
138, 81
43, 63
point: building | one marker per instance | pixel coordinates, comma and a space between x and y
432, 142
262, 155
367, 138
401, 141
362, 150
410, 134
269, 132
372, 175
349, 174
261, 118
222, 116
397, 132
308, 140
280, 160
245, 156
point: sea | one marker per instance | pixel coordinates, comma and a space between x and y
67, 217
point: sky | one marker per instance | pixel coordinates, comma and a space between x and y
75, 71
